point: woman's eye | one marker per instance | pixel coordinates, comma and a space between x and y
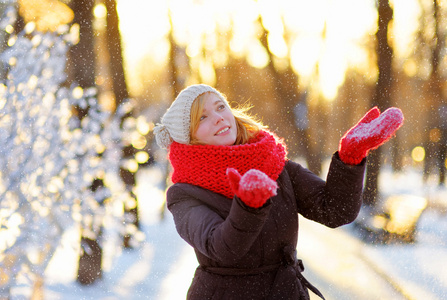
221, 107
202, 118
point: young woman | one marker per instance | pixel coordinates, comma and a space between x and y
236, 196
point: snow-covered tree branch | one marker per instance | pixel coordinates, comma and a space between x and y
49, 158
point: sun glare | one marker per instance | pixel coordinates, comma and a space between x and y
305, 52
47, 15
144, 25
323, 38
100, 11
405, 26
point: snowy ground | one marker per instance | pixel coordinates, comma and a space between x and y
419, 269
336, 261
161, 268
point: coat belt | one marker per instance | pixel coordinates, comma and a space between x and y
289, 257
289, 261
240, 272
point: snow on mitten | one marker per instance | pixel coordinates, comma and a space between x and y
372, 131
254, 188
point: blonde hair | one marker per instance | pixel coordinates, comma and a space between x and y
247, 125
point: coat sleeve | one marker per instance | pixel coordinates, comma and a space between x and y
334, 202
223, 240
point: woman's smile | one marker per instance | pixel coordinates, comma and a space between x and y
223, 130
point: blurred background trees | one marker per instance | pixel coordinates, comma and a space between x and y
326, 62
310, 69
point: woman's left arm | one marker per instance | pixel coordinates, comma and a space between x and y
338, 200
334, 202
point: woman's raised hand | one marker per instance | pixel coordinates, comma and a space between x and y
373, 130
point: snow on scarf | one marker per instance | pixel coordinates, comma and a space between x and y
206, 165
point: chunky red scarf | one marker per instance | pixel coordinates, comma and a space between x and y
206, 165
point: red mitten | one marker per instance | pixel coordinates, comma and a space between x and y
373, 130
254, 188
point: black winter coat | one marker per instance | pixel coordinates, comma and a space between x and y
247, 253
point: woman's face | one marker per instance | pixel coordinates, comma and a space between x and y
217, 125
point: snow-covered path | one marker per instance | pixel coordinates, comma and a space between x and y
334, 263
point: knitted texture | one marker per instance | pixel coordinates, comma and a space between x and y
254, 188
206, 165
372, 131
175, 123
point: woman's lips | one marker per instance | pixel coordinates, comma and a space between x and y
223, 130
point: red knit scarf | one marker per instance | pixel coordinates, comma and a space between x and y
206, 165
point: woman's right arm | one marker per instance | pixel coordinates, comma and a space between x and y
223, 240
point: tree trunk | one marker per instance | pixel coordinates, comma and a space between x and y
82, 69
116, 53
82, 55
381, 98
437, 127
3, 43
120, 91
90, 261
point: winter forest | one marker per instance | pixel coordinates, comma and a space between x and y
83, 83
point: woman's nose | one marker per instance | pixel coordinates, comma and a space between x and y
218, 118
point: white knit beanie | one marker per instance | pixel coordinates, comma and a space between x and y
175, 123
